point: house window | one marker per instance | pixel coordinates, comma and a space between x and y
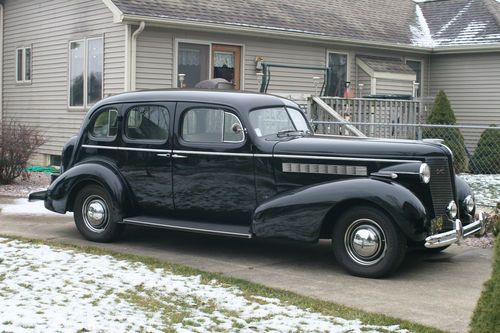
338, 62
416, 65
85, 72
198, 62
23, 65
193, 61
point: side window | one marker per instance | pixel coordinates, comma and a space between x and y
147, 122
105, 125
210, 125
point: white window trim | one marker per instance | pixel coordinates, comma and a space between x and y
175, 78
422, 68
23, 64
85, 41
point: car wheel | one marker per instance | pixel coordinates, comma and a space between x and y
367, 243
95, 215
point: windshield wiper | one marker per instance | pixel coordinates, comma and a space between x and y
291, 133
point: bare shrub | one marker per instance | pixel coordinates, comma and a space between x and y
17, 143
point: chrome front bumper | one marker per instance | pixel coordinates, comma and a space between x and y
458, 233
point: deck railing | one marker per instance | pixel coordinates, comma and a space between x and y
365, 110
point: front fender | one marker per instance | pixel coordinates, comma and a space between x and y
63, 188
299, 214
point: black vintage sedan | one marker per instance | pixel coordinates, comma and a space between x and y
249, 165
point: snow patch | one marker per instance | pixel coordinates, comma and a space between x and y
45, 289
421, 33
24, 207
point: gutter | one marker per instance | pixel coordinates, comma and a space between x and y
133, 55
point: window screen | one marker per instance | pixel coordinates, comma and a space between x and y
147, 122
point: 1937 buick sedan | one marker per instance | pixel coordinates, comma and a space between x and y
248, 165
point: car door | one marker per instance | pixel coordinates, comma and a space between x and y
145, 156
213, 172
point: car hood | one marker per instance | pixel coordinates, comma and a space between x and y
359, 147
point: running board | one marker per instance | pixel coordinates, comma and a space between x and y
199, 227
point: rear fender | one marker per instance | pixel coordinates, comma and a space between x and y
299, 214
62, 191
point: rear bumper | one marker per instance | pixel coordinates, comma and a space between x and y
458, 233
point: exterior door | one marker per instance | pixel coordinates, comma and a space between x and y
226, 64
213, 172
145, 156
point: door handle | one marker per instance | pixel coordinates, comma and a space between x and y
163, 155
178, 156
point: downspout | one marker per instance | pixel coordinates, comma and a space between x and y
1, 62
133, 58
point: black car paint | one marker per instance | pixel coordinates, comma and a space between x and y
272, 203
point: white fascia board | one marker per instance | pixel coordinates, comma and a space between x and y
268, 32
467, 49
117, 13
395, 76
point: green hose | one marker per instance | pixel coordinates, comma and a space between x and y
46, 170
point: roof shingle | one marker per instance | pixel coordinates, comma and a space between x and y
440, 23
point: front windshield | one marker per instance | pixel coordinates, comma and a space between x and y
276, 120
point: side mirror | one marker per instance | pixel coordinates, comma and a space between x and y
236, 128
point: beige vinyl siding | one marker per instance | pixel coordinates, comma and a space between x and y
472, 83
365, 79
155, 61
48, 26
391, 87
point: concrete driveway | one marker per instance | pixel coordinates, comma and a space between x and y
439, 290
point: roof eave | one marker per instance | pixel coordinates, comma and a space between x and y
260, 31
117, 13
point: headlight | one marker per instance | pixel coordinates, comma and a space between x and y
425, 173
452, 209
469, 203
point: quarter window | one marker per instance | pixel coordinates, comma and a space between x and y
147, 122
85, 72
23, 65
211, 126
105, 125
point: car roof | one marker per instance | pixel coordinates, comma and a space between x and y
243, 101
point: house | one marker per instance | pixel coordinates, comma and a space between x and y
60, 56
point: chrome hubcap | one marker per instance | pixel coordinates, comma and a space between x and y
364, 241
95, 213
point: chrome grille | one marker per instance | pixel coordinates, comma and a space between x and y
440, 185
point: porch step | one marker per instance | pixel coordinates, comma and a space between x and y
192, 226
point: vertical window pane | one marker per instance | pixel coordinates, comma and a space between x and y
77, 64
19, 65
193, 62
338, 63
94, 70
417, 67
27, 74
233, 130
